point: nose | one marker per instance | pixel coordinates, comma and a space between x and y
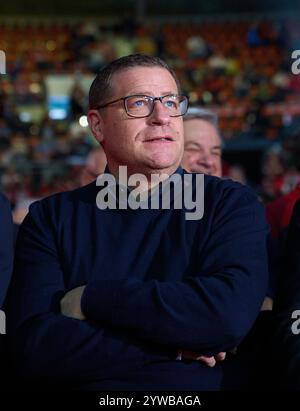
201, 162
204, 156
160, 115
206, 160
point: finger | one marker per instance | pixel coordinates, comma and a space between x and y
190, 355
220, 356
209, 361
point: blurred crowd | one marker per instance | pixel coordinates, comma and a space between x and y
240, 69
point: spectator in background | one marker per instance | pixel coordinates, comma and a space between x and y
237, 173
94, 166
197, 47
280, 210
21, 209
202, 142
77, 101
254, 36
203, 146
273, 171
145, 43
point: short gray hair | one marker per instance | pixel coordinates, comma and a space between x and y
199, 113
101, 88
202, 114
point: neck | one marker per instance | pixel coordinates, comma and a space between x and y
141, 182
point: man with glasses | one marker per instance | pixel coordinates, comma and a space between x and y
138, 299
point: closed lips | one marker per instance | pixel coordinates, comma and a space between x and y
165, 138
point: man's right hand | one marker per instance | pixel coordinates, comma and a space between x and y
209, 361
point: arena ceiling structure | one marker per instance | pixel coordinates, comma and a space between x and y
143, 8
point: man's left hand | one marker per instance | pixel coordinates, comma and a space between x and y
70, 304
209, 361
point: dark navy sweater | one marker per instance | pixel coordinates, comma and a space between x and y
156, 283
6, 247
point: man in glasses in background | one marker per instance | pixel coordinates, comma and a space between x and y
138, 299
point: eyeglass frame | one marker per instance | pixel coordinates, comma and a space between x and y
153, 99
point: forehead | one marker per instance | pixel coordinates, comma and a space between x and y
197, 130
154, 81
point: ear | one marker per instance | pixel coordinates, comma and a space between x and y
96, 124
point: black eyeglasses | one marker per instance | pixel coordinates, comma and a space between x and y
140, 105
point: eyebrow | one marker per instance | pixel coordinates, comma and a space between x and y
150, 93
190, 143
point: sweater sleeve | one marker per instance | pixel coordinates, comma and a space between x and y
208, 312
6, 247
47, 345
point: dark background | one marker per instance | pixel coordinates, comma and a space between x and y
153, 7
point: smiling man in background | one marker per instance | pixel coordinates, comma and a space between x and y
202, 142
